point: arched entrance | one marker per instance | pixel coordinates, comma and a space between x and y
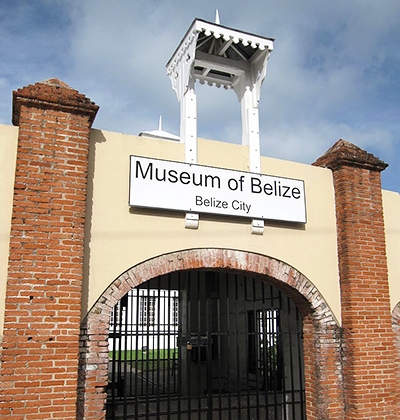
230, 270
207, 345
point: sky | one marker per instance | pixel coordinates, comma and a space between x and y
334, 72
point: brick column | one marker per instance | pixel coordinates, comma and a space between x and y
369, 344
43, 297
322, 369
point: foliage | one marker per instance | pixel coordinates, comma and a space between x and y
158, 359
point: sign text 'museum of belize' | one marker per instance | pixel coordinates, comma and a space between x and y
202, 189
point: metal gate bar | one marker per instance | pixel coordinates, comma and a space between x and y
205, 345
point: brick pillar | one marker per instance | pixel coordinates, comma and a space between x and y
369, 344
43, 297
322, 369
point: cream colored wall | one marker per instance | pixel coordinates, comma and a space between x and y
8, 151
119, 238
391, 208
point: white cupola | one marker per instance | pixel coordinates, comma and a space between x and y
221, 57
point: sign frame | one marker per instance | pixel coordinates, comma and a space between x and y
193, 188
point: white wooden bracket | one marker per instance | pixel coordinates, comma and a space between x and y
257, 227
192, 221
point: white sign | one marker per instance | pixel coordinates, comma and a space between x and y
202, 189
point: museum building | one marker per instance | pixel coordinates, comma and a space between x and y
155, 276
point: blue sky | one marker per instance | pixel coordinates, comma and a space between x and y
334, 72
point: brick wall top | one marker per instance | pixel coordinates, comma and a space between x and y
343, 153
53, 93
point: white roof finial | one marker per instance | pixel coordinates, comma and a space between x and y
217, 21
160, 123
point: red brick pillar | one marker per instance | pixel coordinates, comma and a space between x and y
369, 344
322, 369
43, 297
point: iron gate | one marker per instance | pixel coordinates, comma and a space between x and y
205, 345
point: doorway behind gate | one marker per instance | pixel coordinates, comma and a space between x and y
205, 345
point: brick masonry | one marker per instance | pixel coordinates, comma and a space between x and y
43, 296
321, 333
369, 363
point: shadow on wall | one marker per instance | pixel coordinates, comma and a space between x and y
96, 137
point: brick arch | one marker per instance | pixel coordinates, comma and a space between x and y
396, 320
396, 328
320, 329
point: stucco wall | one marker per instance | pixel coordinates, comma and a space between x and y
8, 151
391, 208
119, 238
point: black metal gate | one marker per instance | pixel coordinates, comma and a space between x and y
206, 345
